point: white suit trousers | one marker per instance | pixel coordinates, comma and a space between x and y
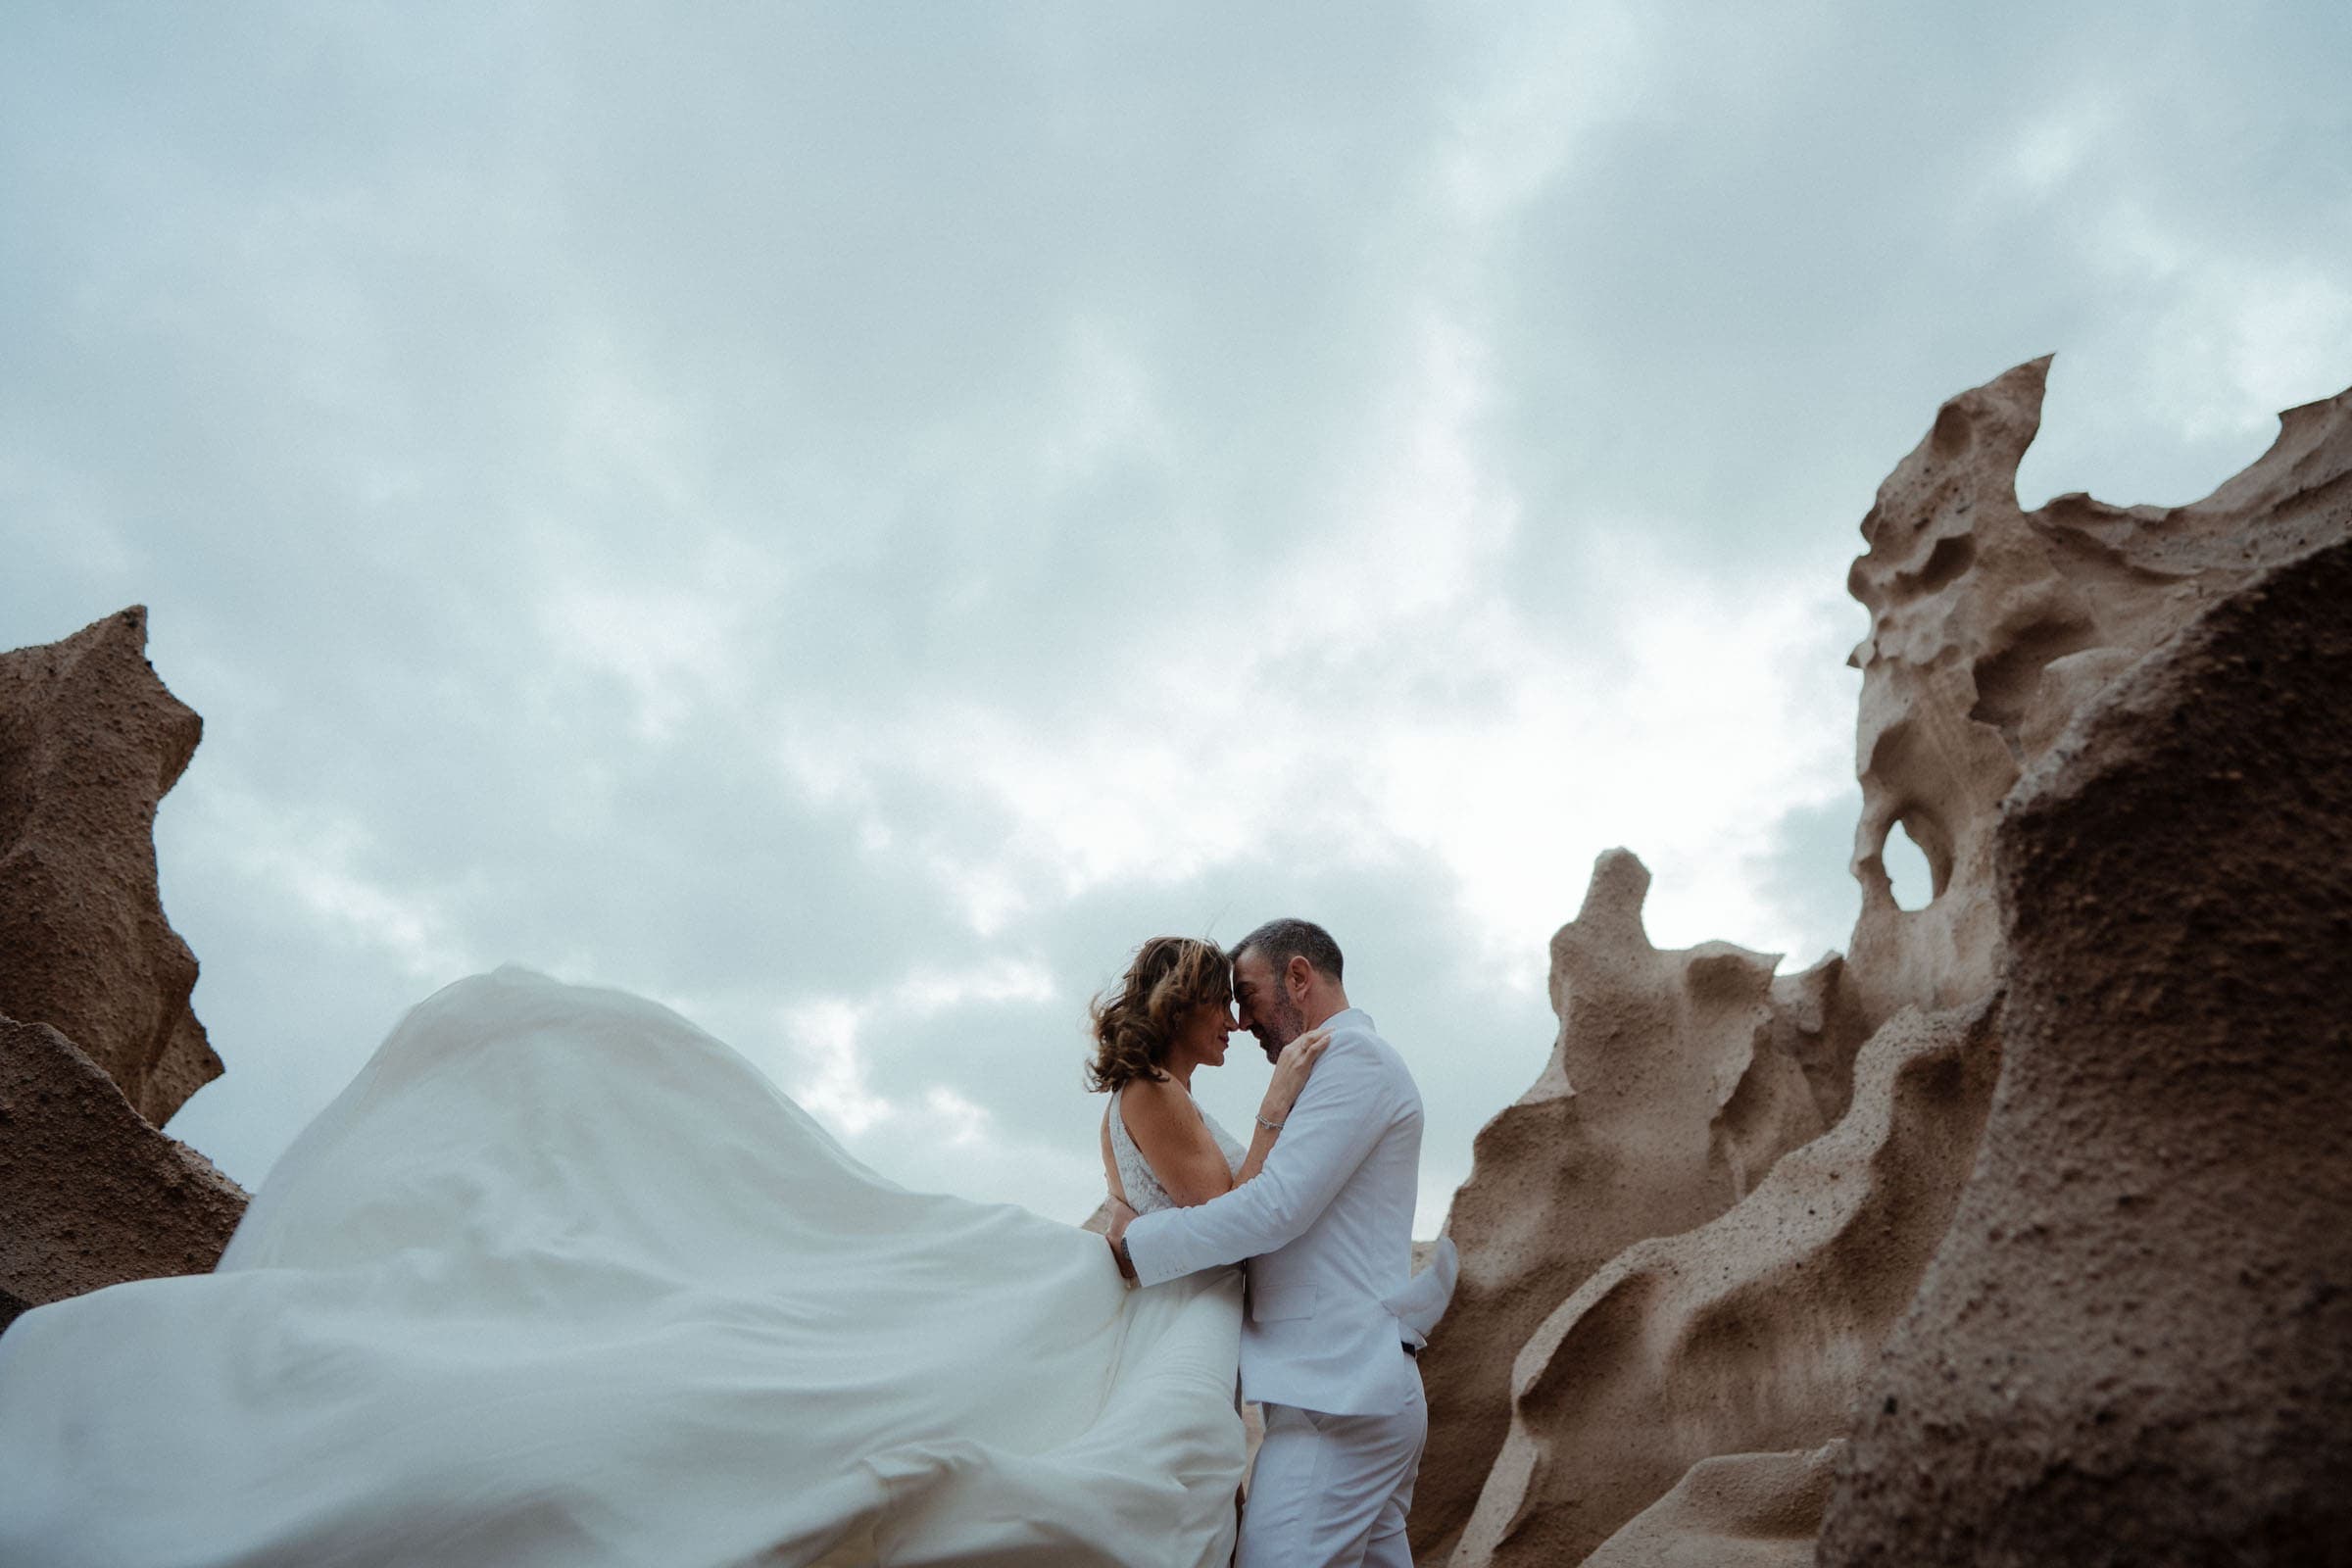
1333, 1488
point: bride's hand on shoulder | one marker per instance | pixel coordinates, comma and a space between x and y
1291, 1072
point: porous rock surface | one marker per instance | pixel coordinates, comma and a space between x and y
1737, 1510
1753, 1333
90, 740
2136, 1343
1992, 626
90, 1193
1677, 1079
97, 1045
1993, 629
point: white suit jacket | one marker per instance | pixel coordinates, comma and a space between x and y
1327, 1228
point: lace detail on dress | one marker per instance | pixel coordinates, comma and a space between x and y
1143, 1191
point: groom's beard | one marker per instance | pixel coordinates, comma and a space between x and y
1284, 1024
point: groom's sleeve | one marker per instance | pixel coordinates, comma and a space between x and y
1340, 1115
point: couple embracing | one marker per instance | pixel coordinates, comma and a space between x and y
1317, 1209
562, 1281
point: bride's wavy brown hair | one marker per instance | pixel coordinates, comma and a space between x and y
1135, 1021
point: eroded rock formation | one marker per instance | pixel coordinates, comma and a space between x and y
1739, 1510
1678, 1078
97, 1043
1994, 630
90, 1193
1992, 626
2136, 1343
1754, 1332
90, 740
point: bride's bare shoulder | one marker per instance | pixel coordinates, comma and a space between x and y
1154, 1104
1175, 1142
1137, 1093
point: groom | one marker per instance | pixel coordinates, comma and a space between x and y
1335, 1316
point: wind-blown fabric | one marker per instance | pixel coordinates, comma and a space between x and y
562, 1280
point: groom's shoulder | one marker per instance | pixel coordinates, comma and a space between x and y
1353, 1034
1356, 1036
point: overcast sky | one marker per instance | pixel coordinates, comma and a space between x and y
846, 518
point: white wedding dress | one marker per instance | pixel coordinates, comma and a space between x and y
562, 1280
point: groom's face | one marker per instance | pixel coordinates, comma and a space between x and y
1266, 1008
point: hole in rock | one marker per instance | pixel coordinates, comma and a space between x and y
2009, 679
1948, 560
1907, 870
1952, 432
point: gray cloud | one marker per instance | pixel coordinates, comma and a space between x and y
846, 520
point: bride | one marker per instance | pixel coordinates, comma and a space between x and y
562, 1280
1173, 1014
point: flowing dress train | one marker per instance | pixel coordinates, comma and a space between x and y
562, 1280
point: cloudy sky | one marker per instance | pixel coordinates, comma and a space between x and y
847, 518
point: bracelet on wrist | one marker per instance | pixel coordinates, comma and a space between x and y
1270, 1126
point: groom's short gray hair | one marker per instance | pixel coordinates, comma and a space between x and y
1283, 940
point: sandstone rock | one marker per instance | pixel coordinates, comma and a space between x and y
1677, 1079
1739, 1510
1753, 1333
90, 1193
1992, 626
1992, 629
90, 740
2136, 1343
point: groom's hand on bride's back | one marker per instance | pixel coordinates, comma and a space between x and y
1121, 1216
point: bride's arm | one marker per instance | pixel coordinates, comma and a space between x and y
1261, 1144
1291, 1072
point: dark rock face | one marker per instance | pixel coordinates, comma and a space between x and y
90, 1193
90, 740
2134, 1344
97, 1045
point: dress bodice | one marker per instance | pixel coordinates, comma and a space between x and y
1143, 1191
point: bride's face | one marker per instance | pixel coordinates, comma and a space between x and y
1201, 1035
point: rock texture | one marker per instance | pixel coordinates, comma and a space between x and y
1740, 1510
90, 740
2005, 645
90, 1193
1676, 1080
2135, 1344
1754, 1332
1992, 626
97, 1045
